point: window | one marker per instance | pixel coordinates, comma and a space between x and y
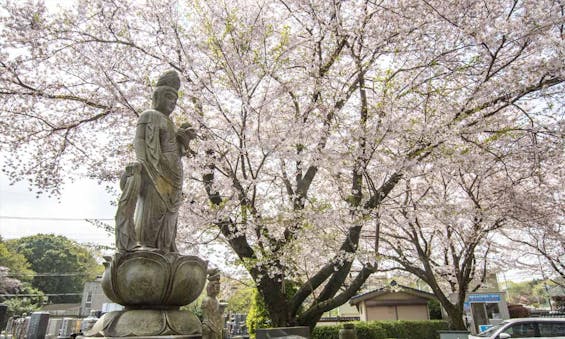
492, 311
548, 329
522, 330
88, 302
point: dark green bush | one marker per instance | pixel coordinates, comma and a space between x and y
365, 330
258, 316
326, 332
370, 330
426, 329
413, 329
435, 309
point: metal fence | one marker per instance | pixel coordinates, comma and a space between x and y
547, 314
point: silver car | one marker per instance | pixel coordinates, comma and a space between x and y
525, 328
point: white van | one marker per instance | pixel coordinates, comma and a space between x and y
525, 328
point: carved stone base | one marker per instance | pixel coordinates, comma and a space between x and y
149, 279
147, 324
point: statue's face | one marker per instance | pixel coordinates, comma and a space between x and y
165, 101
213, 289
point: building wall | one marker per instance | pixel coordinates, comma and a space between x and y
381, 313
362, 312
394, 306
397, 312
394, 296
413, 312
93, 298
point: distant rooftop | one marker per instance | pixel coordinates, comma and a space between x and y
392, 287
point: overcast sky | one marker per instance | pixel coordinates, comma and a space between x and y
22, 214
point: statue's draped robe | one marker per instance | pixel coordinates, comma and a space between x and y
125, 226
158, 151
212, 322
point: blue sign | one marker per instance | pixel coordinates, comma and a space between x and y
484, 298
466, 305
483, 328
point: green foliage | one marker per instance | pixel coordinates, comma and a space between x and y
28, 304
369, 330
62, 265
529, 293
372, 330
326, 332
414, 329
386, 329
435, 309
240, 301
258, 317
195, 306
17, 281
17, 264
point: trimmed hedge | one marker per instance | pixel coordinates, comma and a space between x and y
405, 329
365, 330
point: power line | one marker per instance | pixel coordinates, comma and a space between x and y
38, 295
52, 219
45, 274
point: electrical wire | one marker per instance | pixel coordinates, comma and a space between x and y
52, 218
38, 295
45, 274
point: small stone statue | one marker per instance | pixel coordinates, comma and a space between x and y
152, 188
213, 321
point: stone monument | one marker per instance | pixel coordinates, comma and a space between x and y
147, 275
21, 326
37, 327
3, 316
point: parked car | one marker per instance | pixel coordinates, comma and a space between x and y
525, 328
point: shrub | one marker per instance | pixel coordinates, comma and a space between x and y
258, 317
370, 330
426, 329
365, 330
326, 332
435, 309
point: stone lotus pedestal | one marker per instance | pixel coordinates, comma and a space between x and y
152, 286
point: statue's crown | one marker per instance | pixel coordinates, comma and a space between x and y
213, 274
169, 79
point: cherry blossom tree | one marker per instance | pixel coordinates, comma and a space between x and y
309, 114
546, 242
444, 231
538, 211
450, 227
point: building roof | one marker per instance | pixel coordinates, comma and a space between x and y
62, 310
391, 288
60, 307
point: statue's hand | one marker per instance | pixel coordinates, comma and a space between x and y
186, 132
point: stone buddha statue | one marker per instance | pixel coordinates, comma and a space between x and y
152, 187
147, 274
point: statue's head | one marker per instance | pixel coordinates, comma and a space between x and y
213, 288
166, 93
